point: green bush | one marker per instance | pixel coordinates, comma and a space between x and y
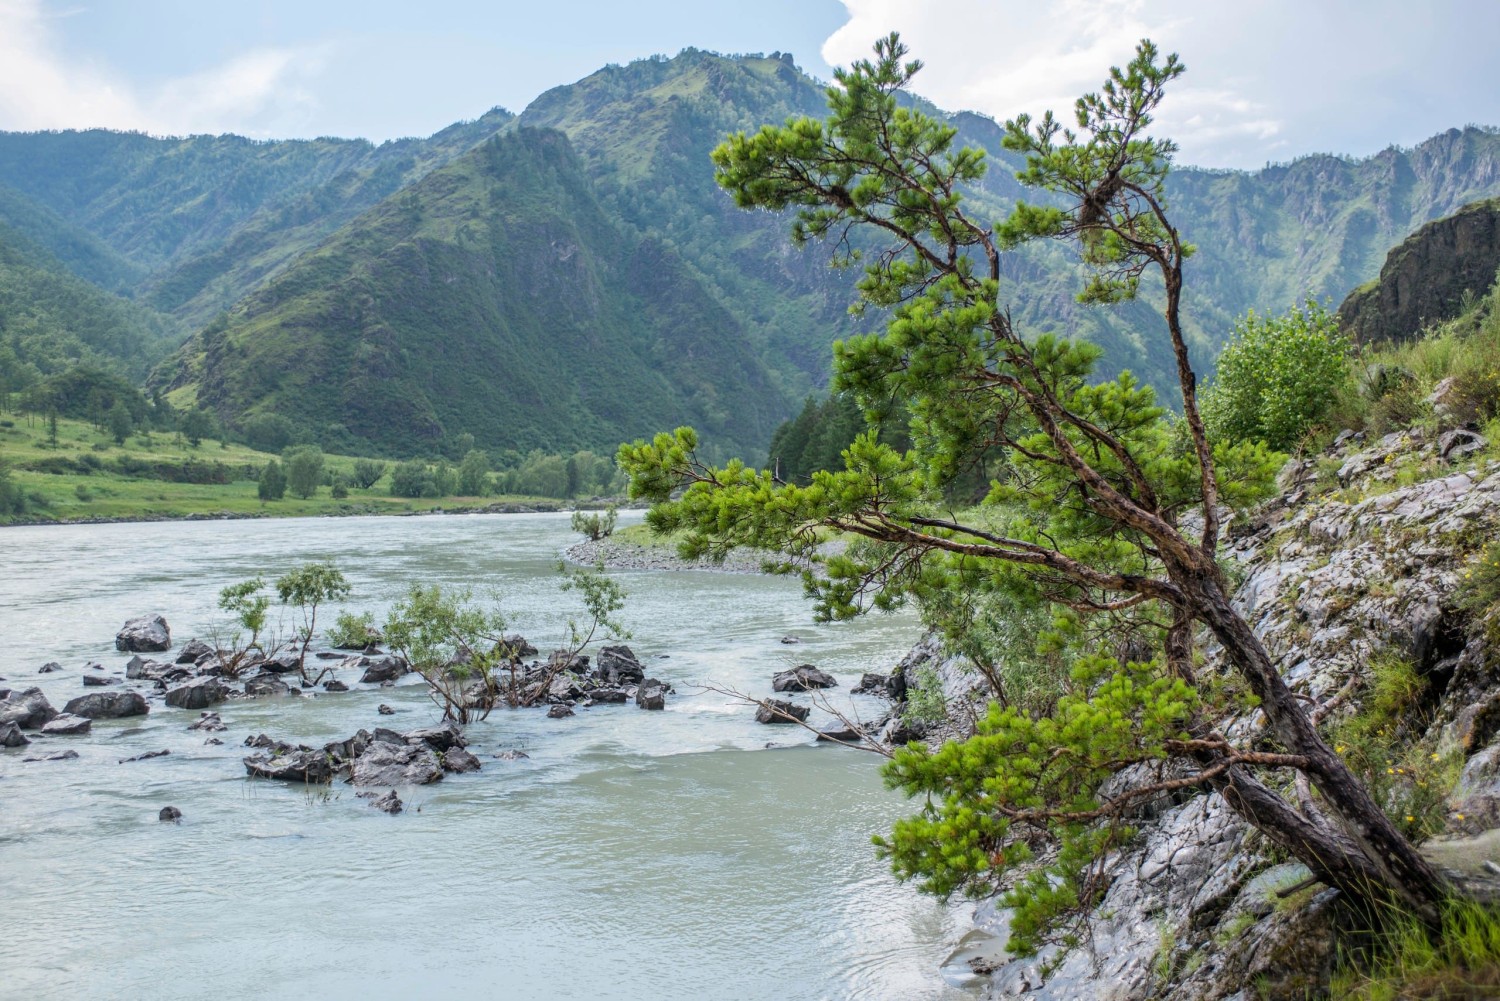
1277, 376
595, 524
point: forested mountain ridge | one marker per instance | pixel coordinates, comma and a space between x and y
194, 227
494, 297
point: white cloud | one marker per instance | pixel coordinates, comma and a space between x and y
1005, 57
41, 89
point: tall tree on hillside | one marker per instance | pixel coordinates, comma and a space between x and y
1098, 511
197, 424
120, 423
304, 470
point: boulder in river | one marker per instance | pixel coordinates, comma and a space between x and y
11, 736
169, 814
108, 705
386, 667
54, 756
618, 665
284, 662
28, 710
872, 684
147, 756
312, 767
386, 802
456, 759
801, 679
779, 711
559, 711
608, 695
193, 651
651, 694
91, 680
386, 764
64, 725
200, 693
144, 634
440, 738
49, 667
207, 721
331, 685
266, 684
510, 754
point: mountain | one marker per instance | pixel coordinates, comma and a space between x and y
1429, 277
495, 297
316, 251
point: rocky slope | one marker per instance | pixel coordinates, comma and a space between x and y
1359, 560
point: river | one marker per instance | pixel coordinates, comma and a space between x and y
633, 855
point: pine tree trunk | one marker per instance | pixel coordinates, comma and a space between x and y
1392, 865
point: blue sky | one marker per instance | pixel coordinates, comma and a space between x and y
1267, 80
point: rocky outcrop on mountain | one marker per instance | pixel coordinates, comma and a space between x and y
1426, 277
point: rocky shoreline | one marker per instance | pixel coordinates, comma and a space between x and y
538, 507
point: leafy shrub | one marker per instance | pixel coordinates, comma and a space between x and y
272, 482
412, 479
1277, 376
595, 525
353, 631
367, 472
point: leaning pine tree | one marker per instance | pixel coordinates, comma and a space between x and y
1108, 512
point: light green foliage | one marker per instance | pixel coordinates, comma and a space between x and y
338, 489
1479, 586
1407, 960
304, 470
367, 472
249, 605
197, 424
12, 497
1277, 376
924, 701
453, 643
474, 473
305, 588
352, 631
595, 525
272, 483
602, 598
961, 840
120, 422
412, 479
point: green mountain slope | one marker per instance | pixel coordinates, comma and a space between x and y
494, 297
50, 320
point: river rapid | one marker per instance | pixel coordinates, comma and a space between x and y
633, 855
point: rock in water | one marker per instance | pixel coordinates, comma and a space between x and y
11, 736
146, 757
169, 814
193, 651
510, 754
872, 684
559, 711
312, 767
108, 705
27, 710
99, 680
459, 760
618, 665
385, 764
144, 634
386, 667
200, 693
49, 667
54, 756
779, 711
267, 685
335, 685
801, 679
64, 725
386, 802
651, 694
385, 710
207, 721
440, 738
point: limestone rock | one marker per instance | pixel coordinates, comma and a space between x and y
28, 709
64, 725
144, 634
801, 679
386, 764
200, 693
312, 767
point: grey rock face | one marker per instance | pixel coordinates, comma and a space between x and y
386, 667
459, 760
335, 685
440, 738
872, 684
92, 680
312, 767
802, 679
144, 634
108, 705
49, 667
386, 764
618, 665
651, 694
193, 651
781, 711
64, 725
200, 693
386, 802
11, 736
266, 685
28, 709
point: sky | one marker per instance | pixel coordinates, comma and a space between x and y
1266, 81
